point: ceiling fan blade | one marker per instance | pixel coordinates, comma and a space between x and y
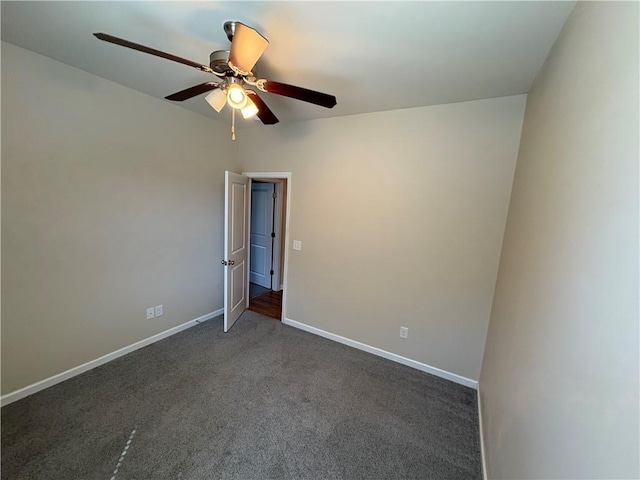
192, 92
299, 93
246, 47
152, 51
264, 113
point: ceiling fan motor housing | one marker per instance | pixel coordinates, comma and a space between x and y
219, 62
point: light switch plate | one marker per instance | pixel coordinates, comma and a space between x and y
158, 310
297, 245
150, 313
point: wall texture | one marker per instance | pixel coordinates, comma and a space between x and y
559, 383
401, 216
111, 203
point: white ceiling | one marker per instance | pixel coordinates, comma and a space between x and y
372, 56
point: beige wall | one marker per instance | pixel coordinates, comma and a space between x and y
401, 216
559, 383
111, 203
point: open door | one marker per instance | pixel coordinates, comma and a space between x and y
236, 222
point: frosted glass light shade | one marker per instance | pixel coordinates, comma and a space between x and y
236, 96
216, 99
250, 109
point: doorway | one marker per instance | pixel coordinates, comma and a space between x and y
267, 242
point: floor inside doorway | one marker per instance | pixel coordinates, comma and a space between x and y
265, 301
256, 290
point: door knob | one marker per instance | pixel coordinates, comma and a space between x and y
224, 262
231, 262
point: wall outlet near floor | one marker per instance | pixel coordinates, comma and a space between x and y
158, 310
297, 245
404, 332
150, 313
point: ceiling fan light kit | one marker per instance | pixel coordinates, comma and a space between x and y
249, 110
236, 96
234, 68
217, 99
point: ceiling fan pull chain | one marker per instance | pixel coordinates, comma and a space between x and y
233, 124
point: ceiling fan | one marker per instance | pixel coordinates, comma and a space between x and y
233, 68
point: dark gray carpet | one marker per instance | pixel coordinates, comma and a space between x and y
263, 401
256, 290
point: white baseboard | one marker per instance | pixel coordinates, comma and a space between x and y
483, 458
384, 354
72, 372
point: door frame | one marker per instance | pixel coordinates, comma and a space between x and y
275, 176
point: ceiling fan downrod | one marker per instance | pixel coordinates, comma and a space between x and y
230, 29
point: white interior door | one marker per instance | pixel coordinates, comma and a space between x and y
236, 222
278, 241
261, 242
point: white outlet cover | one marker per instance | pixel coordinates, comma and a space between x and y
404, 332
158, 310
150, 313
297, 245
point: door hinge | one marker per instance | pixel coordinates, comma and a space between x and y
274, 194
273, 234
271, 272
